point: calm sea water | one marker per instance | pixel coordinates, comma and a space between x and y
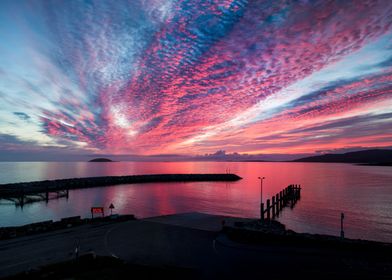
363, 193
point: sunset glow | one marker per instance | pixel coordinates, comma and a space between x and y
193, 77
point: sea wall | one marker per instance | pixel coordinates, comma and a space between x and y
9, 190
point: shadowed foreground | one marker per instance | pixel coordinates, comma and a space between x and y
91, 266
193, 246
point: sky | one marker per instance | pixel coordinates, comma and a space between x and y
192, 77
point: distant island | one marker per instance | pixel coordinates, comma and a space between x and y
367, 157
100, 160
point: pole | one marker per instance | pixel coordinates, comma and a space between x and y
261, 189
261, 199
262, 212
268, 210
341, 226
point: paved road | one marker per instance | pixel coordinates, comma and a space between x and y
141, 241
23, 253
196, 220
210, 253
158, 244
192, 240
151, 241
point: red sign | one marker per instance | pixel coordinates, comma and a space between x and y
97, 210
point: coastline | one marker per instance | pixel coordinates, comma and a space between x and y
376, 164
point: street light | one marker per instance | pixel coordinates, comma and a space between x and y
261, 188
261, 200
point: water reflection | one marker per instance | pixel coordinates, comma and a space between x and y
363, 193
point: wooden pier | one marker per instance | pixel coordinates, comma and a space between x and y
287, 197
22, 198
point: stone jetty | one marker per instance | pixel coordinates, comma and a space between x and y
30, 188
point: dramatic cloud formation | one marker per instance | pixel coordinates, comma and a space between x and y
192, 77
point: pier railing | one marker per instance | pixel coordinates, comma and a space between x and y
286, 197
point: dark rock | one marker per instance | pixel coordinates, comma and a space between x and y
100, 160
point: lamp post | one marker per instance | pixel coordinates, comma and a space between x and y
261, 188
261, 199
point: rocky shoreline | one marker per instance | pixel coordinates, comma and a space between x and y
273, 232
50, 225
28, 188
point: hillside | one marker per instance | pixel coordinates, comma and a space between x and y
368, 156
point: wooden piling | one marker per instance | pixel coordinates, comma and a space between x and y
281, 200
287, 194
262, 212
290, 194
21, 200
268, 210
273, 207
